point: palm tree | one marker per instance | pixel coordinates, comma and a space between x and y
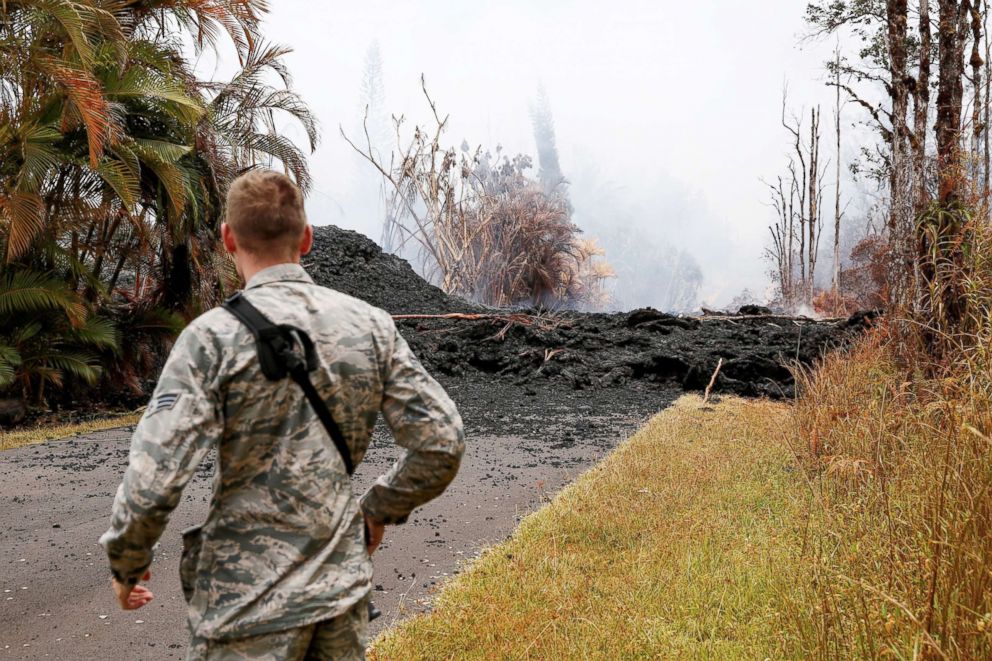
46, 336
114, 162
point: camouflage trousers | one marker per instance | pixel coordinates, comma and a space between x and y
340, 639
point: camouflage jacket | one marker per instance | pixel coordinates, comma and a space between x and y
283, 543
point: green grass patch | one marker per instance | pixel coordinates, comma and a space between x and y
683, 543
16, 439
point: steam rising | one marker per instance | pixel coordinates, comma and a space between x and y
665, 116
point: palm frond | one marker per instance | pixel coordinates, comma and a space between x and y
239, 18
80, 364
261, 58
97, 332
86, 95
85, 25
75, 25
25, 333
165, 152
153, 320
40, 155
122, 179
32, 291
23, 218
259, 145
71, 267
162, 158
139, 83
291, 103
10, 360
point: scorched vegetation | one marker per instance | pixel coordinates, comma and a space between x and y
483, 228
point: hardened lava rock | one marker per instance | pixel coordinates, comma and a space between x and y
754, 349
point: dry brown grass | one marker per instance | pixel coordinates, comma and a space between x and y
16, 439
681, 544
898, 454
693, 539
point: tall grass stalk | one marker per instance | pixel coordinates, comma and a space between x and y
897, 449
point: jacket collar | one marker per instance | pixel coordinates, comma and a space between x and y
279, 273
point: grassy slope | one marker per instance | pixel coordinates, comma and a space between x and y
682, 543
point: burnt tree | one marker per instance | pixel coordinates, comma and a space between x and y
798, 202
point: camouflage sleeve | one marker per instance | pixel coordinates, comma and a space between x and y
179, 426
426, 423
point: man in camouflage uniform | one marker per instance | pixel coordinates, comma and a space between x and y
281, 568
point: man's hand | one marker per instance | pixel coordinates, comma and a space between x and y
373, 534
132, 597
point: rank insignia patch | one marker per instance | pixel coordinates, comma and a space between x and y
164, 402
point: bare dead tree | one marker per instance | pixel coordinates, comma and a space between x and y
798, 201
799, 182
921, 111
814, 220
837, 211
977, 125
783, 233
986, 107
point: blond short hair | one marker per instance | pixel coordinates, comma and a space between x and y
265, 211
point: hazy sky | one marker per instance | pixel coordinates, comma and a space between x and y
676, 103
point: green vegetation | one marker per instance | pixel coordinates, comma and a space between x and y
683, 543
114, 161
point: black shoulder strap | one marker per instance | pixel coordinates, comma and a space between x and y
275, 345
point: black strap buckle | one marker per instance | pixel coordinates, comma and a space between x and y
278, 358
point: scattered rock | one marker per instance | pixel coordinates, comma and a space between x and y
714, 313
658, 326
863, 319
645, 315
754, 310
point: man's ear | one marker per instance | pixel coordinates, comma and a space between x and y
306, 243
227, 235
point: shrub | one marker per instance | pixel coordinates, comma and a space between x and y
485, 229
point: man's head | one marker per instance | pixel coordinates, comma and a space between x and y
266, 222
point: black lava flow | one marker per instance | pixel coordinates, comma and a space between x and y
644, 349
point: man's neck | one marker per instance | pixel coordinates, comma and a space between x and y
251, 265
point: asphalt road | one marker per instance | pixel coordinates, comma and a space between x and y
55, 498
